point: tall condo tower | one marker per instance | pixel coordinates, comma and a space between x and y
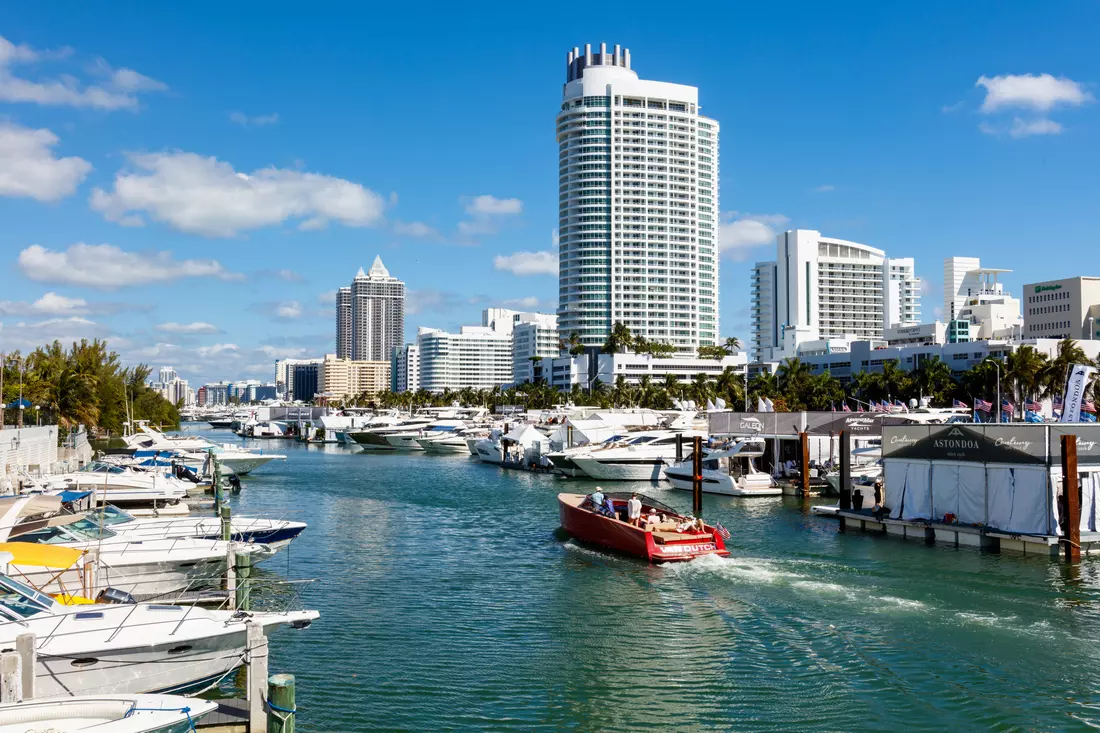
370, 315
343, 323
638, 205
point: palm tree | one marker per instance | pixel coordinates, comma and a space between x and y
1054, 376
729, 386
933, 378
1024, 370
732, 344
702, 389
572, 344
619, 340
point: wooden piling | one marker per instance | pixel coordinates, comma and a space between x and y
11, 678
256, 687
26, 645
679, 447
226, 514
231, 576
1072, 493
244, 581
217, 484
845, 484
280, 703
697, 476
804, 456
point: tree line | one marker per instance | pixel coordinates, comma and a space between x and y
85, 384
1025, 374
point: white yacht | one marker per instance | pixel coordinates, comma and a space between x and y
142, 568
105, 714
194, 450
639, 457
730, 471
866, 467
106, 649
562, 460
115, 484
272, 533
375, 438
410, 439
454, 441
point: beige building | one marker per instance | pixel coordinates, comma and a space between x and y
1057, 309
343, 379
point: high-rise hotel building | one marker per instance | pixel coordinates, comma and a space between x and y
821, 288
638, 205
370, 315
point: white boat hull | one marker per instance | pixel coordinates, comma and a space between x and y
621, 469
404, 441
725, 485
443, 446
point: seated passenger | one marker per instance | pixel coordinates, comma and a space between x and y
609, 505
596, 497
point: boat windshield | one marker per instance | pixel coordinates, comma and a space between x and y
100, 467
82, 530
22, 601
109, 515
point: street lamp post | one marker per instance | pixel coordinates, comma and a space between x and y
1092, 330
997, 365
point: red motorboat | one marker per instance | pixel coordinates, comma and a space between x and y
660, 542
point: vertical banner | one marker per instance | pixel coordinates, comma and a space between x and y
1075, 392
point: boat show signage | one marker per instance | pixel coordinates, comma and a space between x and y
859, 425
1018, 443
1088, 442
755, 423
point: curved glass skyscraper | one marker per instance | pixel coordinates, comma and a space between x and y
638, 205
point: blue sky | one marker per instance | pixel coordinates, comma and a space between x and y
193, 180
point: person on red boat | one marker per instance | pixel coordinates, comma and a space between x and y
596, 497
634, 510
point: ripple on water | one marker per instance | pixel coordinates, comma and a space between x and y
448, 604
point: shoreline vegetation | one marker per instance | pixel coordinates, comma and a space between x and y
85, 384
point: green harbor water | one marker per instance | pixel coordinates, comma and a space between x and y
449, 602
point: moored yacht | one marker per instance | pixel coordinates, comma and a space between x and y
273, 533
105, 714
638, 457
128, 648
376, 438
410, 439
730, 471
115, 484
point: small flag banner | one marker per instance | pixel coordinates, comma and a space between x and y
722, 531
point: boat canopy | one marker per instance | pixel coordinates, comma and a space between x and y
526, 436
46, 556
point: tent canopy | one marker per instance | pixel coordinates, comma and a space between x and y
526, 435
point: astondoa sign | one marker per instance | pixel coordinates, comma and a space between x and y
1022, 443
1088, 442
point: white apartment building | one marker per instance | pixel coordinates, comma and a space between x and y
343, 379
534, 336
476, 357
586, 369
172, 388
960, 280
1067, 308
370, 315
639, 213
820, 288
405, 368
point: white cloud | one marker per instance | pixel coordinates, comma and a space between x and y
289, 309
483, 225
201, 195
106, 267
1023, 128
825, 188
49, 304
1040, 92
529, 303
244, 120
414, 229
327, 298
118, 91
207, 351
289, 276
195, 327
1041, 126
528, 263
740, 233
491, 205
554, 238
29, 169
27, 335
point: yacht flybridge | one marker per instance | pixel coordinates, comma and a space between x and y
193, 451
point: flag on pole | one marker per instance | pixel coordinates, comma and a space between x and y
722, 531
1007, 406
859, 408
983, 406
846, 408
1058, 402
1088, 406
1033, 405
959, 403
